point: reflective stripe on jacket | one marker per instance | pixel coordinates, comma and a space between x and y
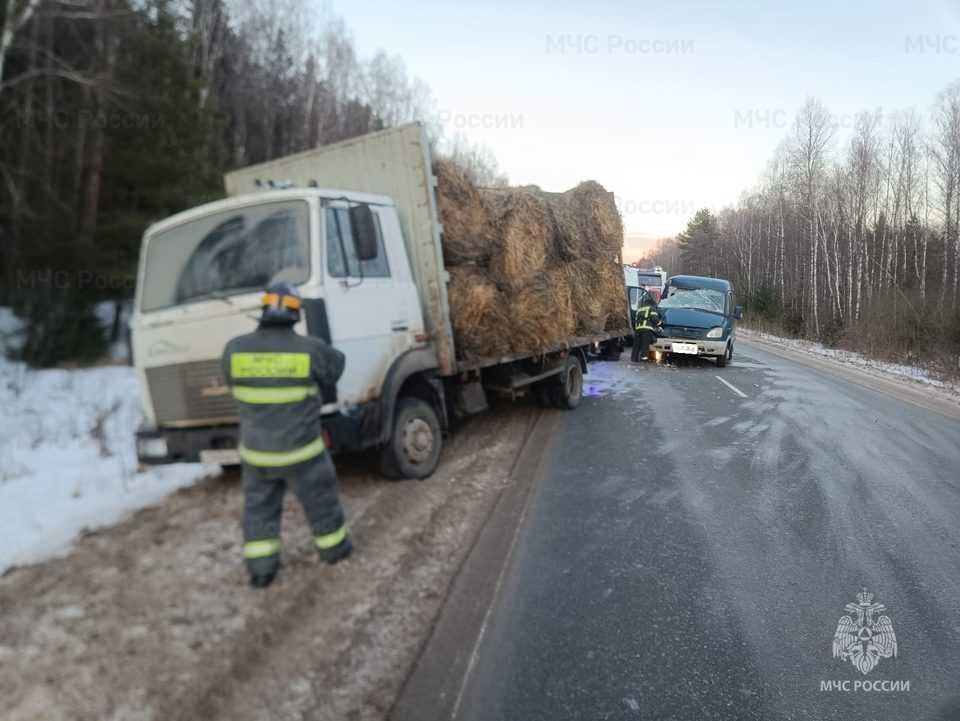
274, 374
648, 318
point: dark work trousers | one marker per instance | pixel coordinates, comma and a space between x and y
315, 484
641, 344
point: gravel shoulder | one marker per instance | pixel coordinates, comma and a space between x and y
153, 618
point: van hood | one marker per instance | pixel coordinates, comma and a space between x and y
690, 318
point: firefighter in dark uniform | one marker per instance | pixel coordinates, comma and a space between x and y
647, 323
274, 374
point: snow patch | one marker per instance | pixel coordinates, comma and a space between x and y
10, 327
68, 456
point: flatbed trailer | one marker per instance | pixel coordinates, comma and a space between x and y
355, 227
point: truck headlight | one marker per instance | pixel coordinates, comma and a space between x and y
151, 447
715, 332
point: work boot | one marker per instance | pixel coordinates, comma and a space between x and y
262, 580
337, 553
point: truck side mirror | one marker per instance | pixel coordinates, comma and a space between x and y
364, 233
738, 312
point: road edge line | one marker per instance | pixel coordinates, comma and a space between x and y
444, 683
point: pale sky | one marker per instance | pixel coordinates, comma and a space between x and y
673, 106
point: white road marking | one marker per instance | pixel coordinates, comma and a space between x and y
732, 387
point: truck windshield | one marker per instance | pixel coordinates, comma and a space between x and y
706, 299
226, 253
650, 279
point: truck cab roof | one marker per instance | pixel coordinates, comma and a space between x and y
268, 195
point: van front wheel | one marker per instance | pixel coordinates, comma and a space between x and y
722, 360
413, 450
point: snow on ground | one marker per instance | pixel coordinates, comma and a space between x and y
918, 375
67, 455
10, 327
105, 311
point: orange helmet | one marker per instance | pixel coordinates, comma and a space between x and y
281, 305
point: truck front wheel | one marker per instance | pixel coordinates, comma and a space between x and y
413, 450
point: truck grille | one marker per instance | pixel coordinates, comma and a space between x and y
190, 392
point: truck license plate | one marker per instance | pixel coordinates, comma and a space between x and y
222, 456
687, 348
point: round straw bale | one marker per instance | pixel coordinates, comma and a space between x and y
595, 212
478, 312
589, 306
541, 314
518, 225
461, 211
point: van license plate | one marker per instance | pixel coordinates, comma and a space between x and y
223, 456
687, 348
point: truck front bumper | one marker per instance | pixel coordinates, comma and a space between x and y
208, 444
354, 429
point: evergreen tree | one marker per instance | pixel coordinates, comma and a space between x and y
698, 243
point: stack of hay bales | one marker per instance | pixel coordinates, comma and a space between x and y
529, 269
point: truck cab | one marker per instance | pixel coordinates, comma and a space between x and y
202, 274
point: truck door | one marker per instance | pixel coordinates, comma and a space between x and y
360, 300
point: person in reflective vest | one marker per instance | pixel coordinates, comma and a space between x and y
647, 323
274, 374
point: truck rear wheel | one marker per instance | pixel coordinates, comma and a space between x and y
568, 393
413, 450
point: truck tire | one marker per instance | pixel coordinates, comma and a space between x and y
542, 394
611, 350
413, 450
722, 360
568, 393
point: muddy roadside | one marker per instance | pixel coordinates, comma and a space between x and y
153, 618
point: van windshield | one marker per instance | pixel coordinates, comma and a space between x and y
234, 251
706, 299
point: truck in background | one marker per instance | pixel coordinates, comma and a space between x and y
354, 226
636, 279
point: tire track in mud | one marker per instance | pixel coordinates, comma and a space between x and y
153, 618
383, 617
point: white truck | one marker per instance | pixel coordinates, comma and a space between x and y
354, 226
653, 279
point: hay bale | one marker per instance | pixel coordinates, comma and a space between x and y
590, 307
611, 289
567, 235
529, 269
519, 230
595, 211
479, 314
541, 313
461, 210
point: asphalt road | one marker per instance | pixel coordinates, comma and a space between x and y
688, 548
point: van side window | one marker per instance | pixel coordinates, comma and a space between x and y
340, 241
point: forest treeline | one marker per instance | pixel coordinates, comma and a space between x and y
117, 113
855, 244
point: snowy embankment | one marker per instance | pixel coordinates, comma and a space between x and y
911, 373
67, 455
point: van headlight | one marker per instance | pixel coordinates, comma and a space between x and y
715, 332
